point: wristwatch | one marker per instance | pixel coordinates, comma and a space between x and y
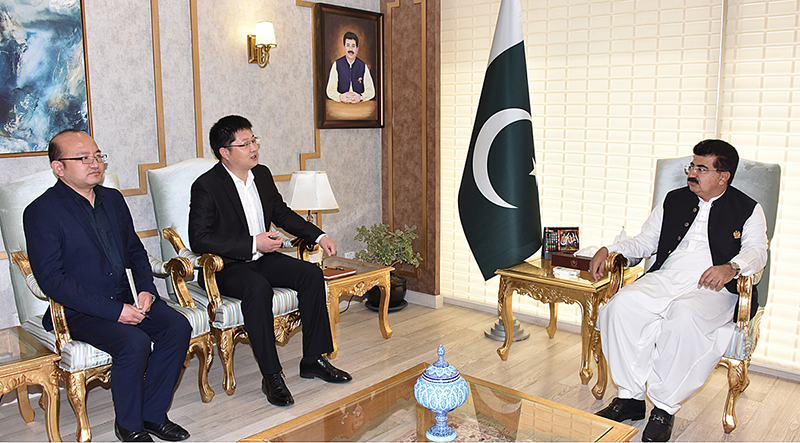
736, 268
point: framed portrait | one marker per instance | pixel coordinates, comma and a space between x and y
348, 67
44, 83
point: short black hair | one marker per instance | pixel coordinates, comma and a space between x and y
350, 36
54, 147
224, 131
727, 159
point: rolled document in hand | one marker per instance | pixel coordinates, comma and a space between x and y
133, 290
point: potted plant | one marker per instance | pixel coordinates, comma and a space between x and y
388, 248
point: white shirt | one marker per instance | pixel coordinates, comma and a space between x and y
253, 211
693, 254
251, 202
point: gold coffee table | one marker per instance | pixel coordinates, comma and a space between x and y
535, 279
388, 411
24, 361
367, 276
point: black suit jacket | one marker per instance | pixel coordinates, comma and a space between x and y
69, 262
217, 222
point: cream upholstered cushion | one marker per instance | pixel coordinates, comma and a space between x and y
229, 314
76, 355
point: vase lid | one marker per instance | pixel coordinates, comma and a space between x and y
441, 371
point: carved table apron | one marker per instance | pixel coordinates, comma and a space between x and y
535, 279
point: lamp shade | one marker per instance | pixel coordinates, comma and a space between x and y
265, 34
310, 191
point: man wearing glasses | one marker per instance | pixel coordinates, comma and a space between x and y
232, 208
664, 334
81, 240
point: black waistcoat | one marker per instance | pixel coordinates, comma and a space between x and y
725, 225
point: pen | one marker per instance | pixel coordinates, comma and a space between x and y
133, 290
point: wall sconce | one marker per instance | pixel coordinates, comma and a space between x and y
258, 45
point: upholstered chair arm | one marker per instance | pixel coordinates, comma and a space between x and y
211, 264
304, 248
178, 269
615, 265
56, 309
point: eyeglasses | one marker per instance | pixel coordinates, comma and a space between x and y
253, 141
89, 159
699, 169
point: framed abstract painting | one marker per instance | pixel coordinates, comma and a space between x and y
348, 67
44, 83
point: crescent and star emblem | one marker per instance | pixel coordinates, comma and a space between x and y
480, 159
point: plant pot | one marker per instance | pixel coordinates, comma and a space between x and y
397, 295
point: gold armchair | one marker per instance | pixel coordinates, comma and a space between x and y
761, 181
170, 189
81, 363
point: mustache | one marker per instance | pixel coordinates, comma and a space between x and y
692, 180
351, 52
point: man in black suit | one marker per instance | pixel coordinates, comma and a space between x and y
80, 240
232, 206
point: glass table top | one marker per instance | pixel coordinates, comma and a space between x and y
18, 345
388, 411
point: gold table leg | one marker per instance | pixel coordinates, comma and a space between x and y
504, 305
587, 325
551, 328
24, 404
383, 310
333, 318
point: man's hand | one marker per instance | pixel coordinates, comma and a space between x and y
266, 244
145, 301
130, 315
716, 277
350, 97
597, 267
328, 245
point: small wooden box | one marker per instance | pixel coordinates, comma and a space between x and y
568, 260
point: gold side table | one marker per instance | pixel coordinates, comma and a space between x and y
535, 279
367, 276
24, 361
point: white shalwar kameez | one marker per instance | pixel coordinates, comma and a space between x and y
662, 335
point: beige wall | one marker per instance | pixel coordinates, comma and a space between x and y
277, 100
614, 86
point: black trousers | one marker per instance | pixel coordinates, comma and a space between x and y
142, 381
252, 282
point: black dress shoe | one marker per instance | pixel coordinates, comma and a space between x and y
126, 435
323, 369
274, 387
622, 409
168, 430
659, 428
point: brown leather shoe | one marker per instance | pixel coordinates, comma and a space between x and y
622, 409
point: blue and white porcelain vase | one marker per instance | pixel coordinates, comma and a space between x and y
441, 389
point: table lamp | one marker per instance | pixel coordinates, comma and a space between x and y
310, 191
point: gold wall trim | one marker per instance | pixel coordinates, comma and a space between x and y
159, 96
198, 109
3, 255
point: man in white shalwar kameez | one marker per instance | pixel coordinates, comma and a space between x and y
664, 334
